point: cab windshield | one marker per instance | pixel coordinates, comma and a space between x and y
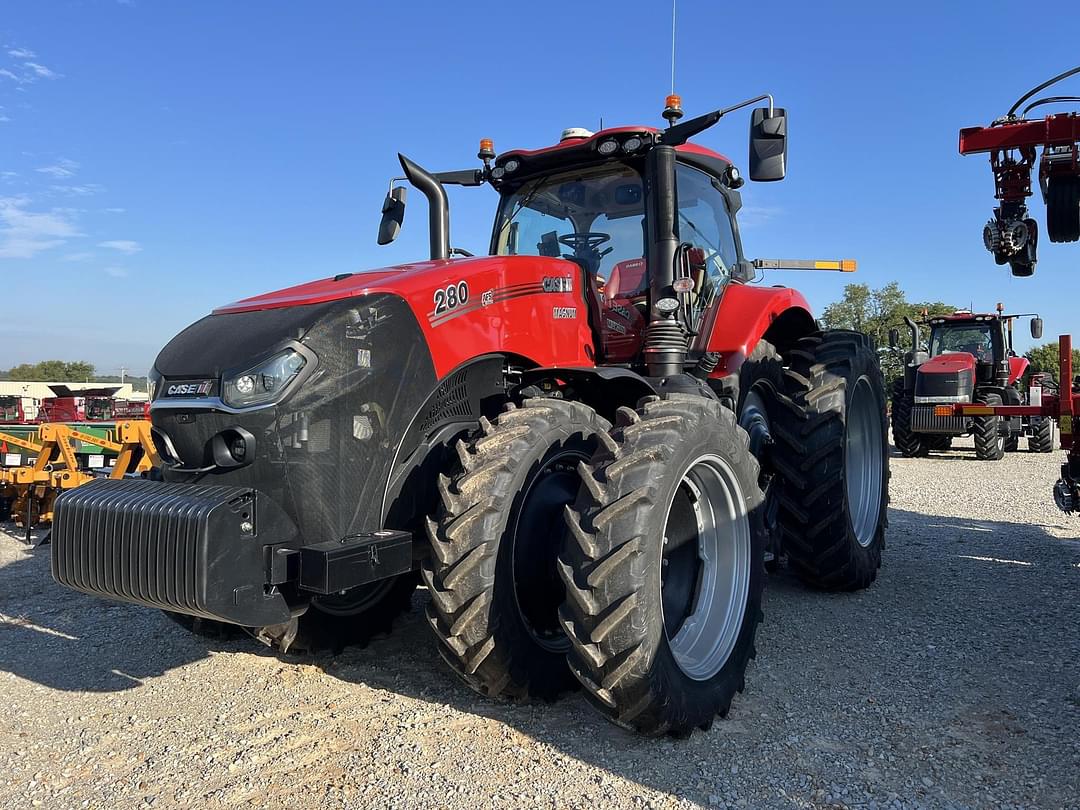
977, 341
593, 216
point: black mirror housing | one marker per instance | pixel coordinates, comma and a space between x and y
393, 214
1036, 328
768, 144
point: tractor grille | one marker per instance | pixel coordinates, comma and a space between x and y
180, 547
924, 421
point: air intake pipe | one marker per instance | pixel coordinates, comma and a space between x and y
665, 336
438, 206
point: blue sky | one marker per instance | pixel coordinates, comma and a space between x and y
158, 159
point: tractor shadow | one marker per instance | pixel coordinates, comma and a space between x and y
825, 662
73, 642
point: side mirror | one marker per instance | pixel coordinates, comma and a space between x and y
768, 144
393, 214
894, 338
1036, 328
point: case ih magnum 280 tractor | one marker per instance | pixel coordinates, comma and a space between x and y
585, 443
970, 359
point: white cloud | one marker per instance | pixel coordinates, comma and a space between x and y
7, 74
22, 53
115, 210
41, 70
62, 168
127, 246
78, 191
78, 256
116, 272
24, 233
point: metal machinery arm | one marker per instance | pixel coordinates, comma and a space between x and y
1013, 143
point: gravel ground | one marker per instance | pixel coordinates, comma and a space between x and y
953, 682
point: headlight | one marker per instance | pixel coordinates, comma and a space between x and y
264, 382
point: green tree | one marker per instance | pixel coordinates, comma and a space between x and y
52, 371
1046, 358
875, 312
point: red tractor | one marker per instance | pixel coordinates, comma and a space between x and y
586, 444
970, 358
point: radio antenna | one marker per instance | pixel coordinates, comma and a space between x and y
673, 2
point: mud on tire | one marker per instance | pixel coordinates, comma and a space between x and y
832, 456
660, 638
494, 600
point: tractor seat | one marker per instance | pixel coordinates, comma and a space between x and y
627, 279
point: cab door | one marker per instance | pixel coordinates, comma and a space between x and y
705, 222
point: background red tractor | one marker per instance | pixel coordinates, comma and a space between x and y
969, 358
587, 443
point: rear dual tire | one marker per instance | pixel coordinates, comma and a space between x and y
832, 455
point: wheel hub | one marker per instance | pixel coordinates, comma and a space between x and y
705, 567
863, 462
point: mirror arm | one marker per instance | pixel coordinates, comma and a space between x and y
680, 133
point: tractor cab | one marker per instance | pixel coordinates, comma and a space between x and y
983, 338
591, 211
647, 217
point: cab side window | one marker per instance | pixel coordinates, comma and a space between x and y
704, 222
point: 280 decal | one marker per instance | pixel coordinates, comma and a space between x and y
451, 297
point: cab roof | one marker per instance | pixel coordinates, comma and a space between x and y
574, 150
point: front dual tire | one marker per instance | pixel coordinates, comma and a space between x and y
655, 597
664, 567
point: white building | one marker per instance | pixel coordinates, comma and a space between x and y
33, 392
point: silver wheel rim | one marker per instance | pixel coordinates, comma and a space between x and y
707, 636
862, 462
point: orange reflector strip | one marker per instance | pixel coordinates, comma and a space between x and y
847, 266
943, 410
978, 410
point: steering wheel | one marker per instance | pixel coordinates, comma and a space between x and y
585, 242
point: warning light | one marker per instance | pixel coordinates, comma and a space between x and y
487, 149
1000, 307
943, 410
847, 265
673, 108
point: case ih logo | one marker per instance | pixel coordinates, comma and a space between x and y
191, 389
558, 284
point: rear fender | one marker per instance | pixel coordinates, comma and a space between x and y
1017, 367
745, 315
